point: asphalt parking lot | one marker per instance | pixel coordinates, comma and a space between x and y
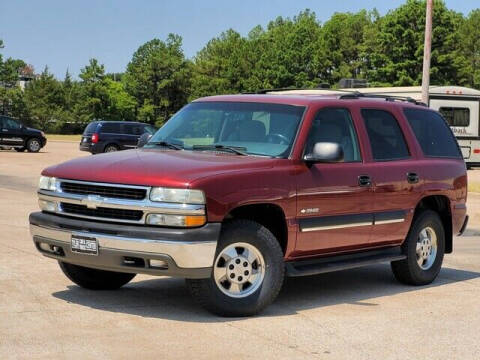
355, 314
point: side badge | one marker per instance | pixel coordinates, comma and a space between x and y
310, 211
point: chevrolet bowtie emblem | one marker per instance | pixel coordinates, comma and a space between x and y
92, 201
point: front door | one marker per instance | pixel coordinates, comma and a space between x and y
334, 200
11, 132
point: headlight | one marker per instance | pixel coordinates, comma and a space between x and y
47, 183
183, 196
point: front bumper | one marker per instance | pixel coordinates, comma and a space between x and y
185, 253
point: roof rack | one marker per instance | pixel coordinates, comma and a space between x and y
358, 94
348, 94
265, 91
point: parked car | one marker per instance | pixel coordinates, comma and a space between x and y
234, 192
109, 136
15, 135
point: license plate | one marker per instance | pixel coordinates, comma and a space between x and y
84, 139
84, 244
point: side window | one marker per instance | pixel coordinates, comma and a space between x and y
11, 124
456, 116
335, 125
131, 129
111, 128
149, 129
386, 137
432, 133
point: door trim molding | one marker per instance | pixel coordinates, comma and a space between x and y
351, 220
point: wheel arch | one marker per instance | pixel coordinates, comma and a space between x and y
269, 215
441, 205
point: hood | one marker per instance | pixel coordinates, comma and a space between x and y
154, 167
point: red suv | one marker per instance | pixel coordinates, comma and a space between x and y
235, 192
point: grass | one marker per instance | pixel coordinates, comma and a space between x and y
60, 137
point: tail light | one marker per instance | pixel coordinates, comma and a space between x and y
95, 138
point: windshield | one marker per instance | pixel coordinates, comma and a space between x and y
256, 128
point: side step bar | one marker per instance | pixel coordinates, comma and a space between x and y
343, 262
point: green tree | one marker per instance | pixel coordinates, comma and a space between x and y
158, 77
395, 55
342, 45
469, 48
44, 101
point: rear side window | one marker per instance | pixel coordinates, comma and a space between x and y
91, 128
432, 133
386, 137
456, 116
111, 128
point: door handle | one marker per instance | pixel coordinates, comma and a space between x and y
412, 178
364, 180
4, 130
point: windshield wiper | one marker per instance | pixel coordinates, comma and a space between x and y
166, 144
239, 150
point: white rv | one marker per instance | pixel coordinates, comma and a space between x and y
460, 106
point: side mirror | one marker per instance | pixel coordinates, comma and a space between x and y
325, 152
143, 139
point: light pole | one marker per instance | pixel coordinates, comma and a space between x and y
427, 52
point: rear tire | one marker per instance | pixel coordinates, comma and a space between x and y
34, 145
424, 247
94, 279
111, 148
247, 274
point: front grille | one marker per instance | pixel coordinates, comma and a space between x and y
105, 191
102, 212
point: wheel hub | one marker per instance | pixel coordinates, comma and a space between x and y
239, 270
426, 248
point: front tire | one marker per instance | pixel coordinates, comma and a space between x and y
95, 279
425, 248
247, 273
34, 145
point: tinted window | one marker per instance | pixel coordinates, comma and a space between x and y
91, 128
456, 116
335, 125
432, 133
132, 129
386, 137
111, 128
11, 124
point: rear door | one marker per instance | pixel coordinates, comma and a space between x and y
396, 175
335, 200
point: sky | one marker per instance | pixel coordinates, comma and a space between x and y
65, 34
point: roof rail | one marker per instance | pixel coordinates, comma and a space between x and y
358, 94
265, 91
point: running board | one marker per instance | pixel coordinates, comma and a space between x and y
343, 262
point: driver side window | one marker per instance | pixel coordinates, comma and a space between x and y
10, 124
335, 125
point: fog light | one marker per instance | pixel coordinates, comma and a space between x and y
46, 205
176, 220
158, 264
45, 247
